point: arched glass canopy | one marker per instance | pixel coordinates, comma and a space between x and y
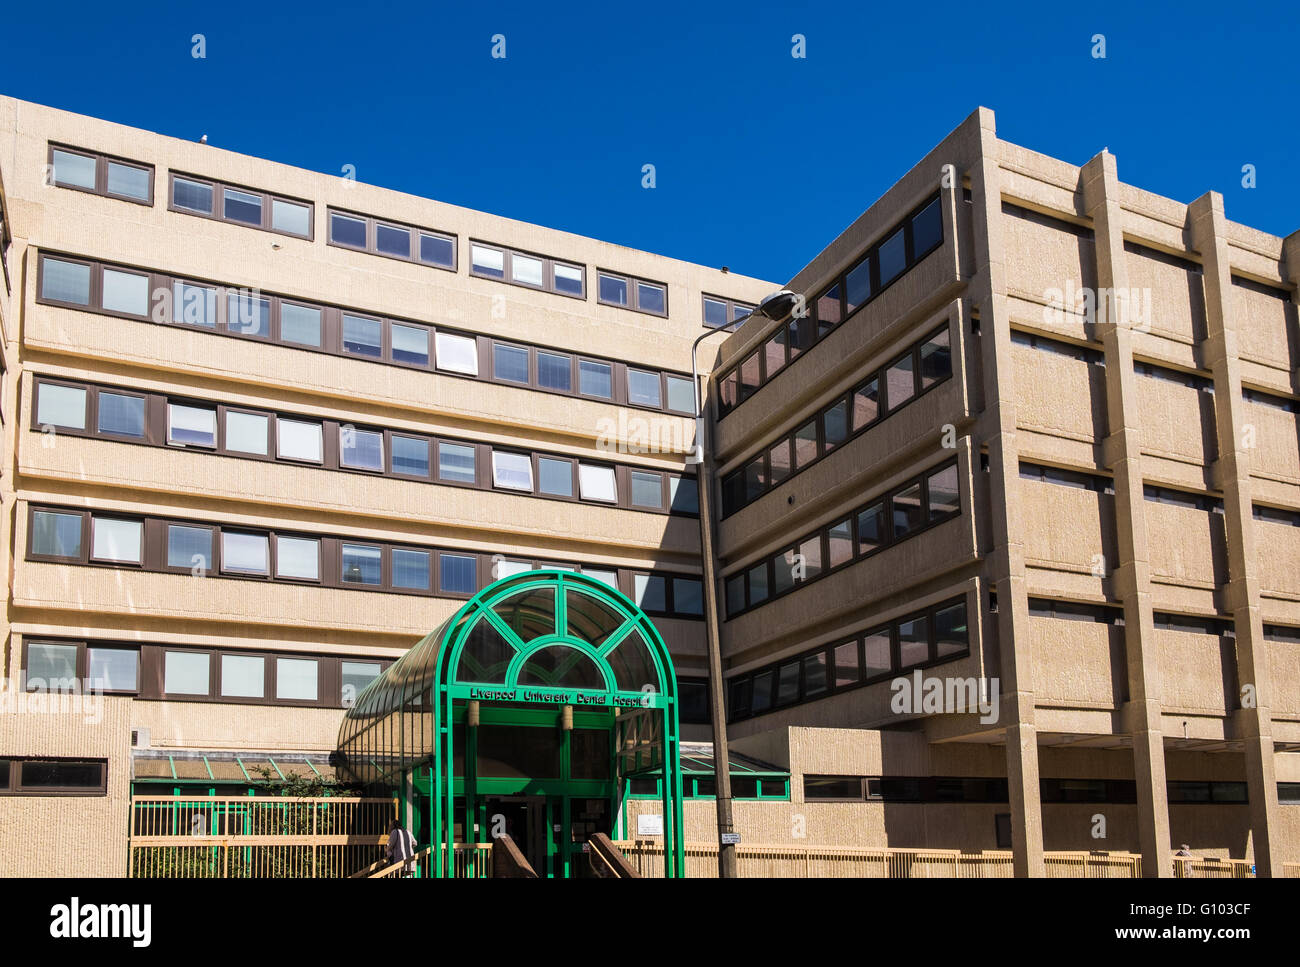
546, 638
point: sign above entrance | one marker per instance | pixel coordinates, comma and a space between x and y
558, 696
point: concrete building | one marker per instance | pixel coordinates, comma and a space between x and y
1034, 438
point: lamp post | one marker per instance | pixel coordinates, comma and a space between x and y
775, 307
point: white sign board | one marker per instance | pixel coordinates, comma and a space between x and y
730, 839
649, 824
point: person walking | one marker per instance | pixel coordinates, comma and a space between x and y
401, 846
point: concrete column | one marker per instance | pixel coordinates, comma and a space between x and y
1006, 562
1254, 725
1130, 575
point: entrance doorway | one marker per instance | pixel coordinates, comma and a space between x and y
552, 832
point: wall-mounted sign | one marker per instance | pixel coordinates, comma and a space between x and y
730, 839
557, 696
650, 824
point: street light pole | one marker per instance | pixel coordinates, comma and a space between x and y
717, 697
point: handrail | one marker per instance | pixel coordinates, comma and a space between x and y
615, 864
389, 870
512, 864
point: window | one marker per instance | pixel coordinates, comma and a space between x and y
457, 354
950, 633
554, 371
88, 171
570, 279
835, 425
346, 230
805, 445
510, 363
757, 576
629, 293
513, 471
456, 574
392, 239
300, 324
456, 463
410, 569
605, 577
115, 540
248, 315
720, 312
942, 489
913, 642
866, 403
243, 676
410, 344
53, 777
63, 281
193, 196
683, 495
55, 534
190, 425
362, 564
113, 669
242, 206
857, 291
51, 667
189, 547
681, 394
290, 218
871, 528
356, 676
247, 432
244, 553
362, 336
650, 592
194, 305
876, 652
841, 543
120, 415
927, 229
187, 673
297, 558
936, 359
643, 388
410, 456
555, 476
60, 406
647, 489
437, 250
125, 292
534, 271
296, 679
361, 449
906, 505
892, 256
298, 440
595, 379
73, 170
900, 382
597, 483
688, 596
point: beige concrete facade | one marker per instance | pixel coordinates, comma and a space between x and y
1138, 700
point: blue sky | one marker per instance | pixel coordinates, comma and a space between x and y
761, 158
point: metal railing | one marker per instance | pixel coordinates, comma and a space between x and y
1201, 868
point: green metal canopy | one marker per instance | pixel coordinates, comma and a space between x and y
540, 639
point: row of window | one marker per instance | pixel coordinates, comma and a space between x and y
1048, 221
1220, 627
889, 518
1058, 348
1284, 403
141, 294
947, 789
724, 313
156, 420
201, 549
1182, 498
193, 674
938, 634
1067, 478
884, 392
53, 777
706, 787
1191, 380
1073, 611
883, 264
195, 195
1276, 515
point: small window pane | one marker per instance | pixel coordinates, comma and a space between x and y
189, 547
513, 471
347, 231
568, 279
805, 445
362, 564
815, 676
74, 169
356, 676
783, 568
900, 382
688, 596
847, 671
122, 415
194, 305
192, 195
715, 313
51, 667
526, 270
554, 371
244, 553
857, 285
487, 261
871, 528
410, 456
458, 354
456, 462
828, 313
749, 376
647, 490
361, 449
295, 679
56, 535
510, 363
758, 583
605, 577
190, 425
913, 642
651, 298
774, 353
841, 543
63, 406
893, 258
877, 650
65, 281
248, 314
650, 592
116, 540
555, 476
787, 685
246, 432
683, 495
411, 569
437, 250
297, 557
951, 634
456, 573
597, 483
595, 379
762, 698
810, 551
186, 673
243, 676
241, 206
866, 403
779, 461
362, 336
835, 424
944, 498
410, 344
113, 669
907, 510
642, 388
681, 394
286, 216
299, 441
126, 292
613, 289
391, 240
927, 228
300, 324
936, 360
735, 594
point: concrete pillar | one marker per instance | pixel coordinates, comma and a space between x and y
1130, 575
1252, 725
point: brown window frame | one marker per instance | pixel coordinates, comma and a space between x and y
102, 161
217, 214
730, 305
15, 787
633, 295
372, 223
507, 265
